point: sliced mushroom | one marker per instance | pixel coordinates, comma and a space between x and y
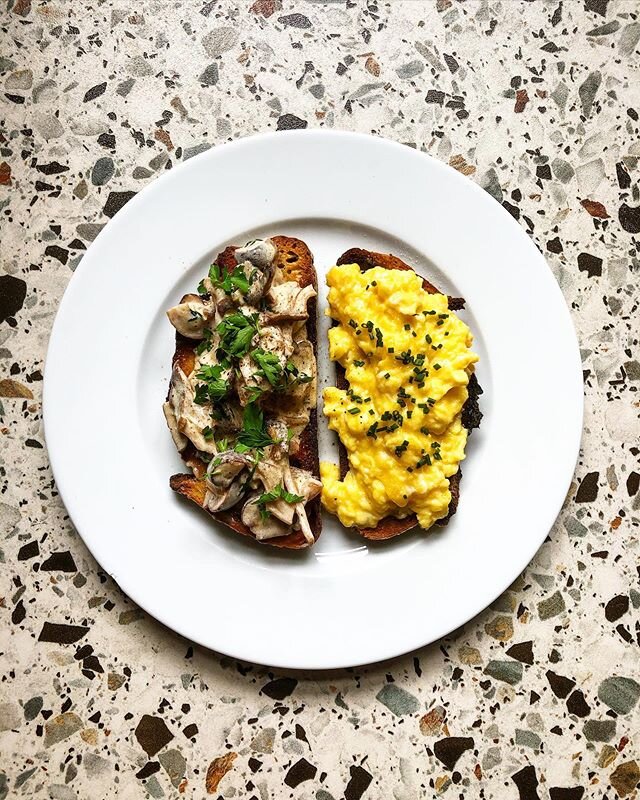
191, 316
226, 483
179, 439
259, 280
276, 340
191, 418
247, 380
260, 252
269, 473
268, 528
288, 301
306, 485
279, 433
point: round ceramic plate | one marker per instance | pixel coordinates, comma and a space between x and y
346, 601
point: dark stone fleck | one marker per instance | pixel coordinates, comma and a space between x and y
599, 6
554, 245
624, 179
12, 294
434, 96
152, 734
148, 770
301, 771
449, 750
94, 92
295, 21
107, 140
33, 443
358, 783
606, 29
102, 172
29, 550
592, 265
619, 693
451, 63
513, 210
32, 708
566, 793
279, 688
616, 607
526, 782
522, 651
289, 122
61, 633
588, 489
18, 613
190, 730
254, 764
629, 218
576, 704
210, 76
596, 730
54, 168
633, 483
543, 171
57, 252
115, 202
560, 685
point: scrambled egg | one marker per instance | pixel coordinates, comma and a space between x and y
407, 361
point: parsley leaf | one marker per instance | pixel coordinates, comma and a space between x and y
205, 344
269, 366
277, 493
214, 387
236, 332
229, 281
253, 434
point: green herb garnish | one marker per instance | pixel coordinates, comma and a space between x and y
277, 493
236, 331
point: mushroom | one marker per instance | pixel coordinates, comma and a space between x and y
191, 418
268, 528
288, 301
190, 317
179, 439
225, 485
306, 485
260, 252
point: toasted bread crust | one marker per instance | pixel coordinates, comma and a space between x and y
295, 260
471, 415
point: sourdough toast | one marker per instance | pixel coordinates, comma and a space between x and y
295, 261
471, 414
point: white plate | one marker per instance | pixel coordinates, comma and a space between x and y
345, 602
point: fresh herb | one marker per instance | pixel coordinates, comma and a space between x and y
277, 493
424, 430
353, 323
391, 350
374, 283
213, 384
399, 450
353, 411
202, 290
236, 331
428, 339
269, 366
425, 459
437, 366
407, 327
207, 432
253, 435
194, 315
222, 445
205, 344
227, 280
379, 342
359, 363
373, 430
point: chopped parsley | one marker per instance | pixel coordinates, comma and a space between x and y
213, 386
236, 331
277, 493
269, 366
253, 435
205, 344
207, 432
229, 281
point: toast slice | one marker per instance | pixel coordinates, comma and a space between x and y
295, 261
471, 414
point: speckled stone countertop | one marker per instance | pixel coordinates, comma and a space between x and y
536, 101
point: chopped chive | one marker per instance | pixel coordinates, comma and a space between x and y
437, 366
353, 411
359, 363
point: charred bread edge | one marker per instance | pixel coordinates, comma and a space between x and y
471, 415
293, 257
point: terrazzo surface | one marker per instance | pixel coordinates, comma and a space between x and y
538, 102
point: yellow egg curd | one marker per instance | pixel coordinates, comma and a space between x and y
407, 361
